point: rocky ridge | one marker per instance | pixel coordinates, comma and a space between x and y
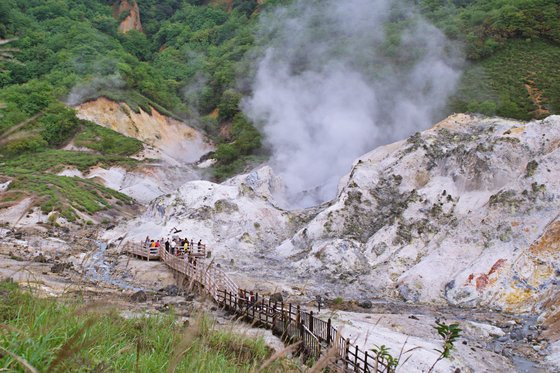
482, 191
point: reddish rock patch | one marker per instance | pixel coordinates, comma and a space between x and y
482, 282
132, 20
499, 264
549, 241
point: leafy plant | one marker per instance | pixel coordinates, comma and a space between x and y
450, 333
382, 355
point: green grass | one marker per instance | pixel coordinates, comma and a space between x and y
35, 174
496, 85
55, 160
106, 141
53, 336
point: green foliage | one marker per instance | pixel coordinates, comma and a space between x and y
229, 104
106, 141
247, 138
53, 335
486, 26
33, 143
449, 333
58, 124
234, 156
382, 355
497, 84
35, 173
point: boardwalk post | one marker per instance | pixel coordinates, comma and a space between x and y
329, 331
268, 312
274, 312
356, 366
311, 321
290, 311
347, 352
365, 363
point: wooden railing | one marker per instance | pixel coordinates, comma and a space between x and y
144, 251
194, 251
289, 322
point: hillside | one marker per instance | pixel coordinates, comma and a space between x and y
296, 139
186, 59
464, 214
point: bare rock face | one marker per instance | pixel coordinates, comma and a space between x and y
175, 145
132, 20
237, 220
168, 139
466, 213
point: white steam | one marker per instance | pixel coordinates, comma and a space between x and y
335, 81
90, 89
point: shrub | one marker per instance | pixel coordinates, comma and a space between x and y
30, 144
58, 124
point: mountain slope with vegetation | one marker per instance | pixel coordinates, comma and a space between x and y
192, 60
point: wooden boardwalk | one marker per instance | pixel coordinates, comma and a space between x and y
143, 252
290, 322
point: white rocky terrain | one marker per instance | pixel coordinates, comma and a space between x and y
481, 191
171, 149
463, 214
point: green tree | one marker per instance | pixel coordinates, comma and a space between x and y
58, 124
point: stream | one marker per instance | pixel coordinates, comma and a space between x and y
99, 269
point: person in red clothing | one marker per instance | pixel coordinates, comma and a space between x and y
157, 243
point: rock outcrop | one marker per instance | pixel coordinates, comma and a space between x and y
465, 213
238, 220
131, 13
175, 145
168, 139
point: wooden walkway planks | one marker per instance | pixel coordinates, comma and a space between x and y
143, 252
290, 322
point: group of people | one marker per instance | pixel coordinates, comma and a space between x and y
176, 246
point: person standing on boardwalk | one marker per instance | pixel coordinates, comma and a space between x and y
173, 245
167, 245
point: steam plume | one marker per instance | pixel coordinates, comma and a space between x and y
338, 78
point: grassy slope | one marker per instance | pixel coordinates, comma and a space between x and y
34, 173
49, 334
72, 44
496, 84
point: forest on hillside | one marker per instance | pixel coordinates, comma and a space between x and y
194, 60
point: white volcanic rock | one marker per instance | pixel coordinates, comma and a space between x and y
143, 183
237, 219
465, 212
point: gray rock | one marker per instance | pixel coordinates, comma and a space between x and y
170, 290
365, 304
139, 296
517, 334
40, 259
58, 267
276, 297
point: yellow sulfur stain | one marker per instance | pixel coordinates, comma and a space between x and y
516, 130
541, 274
517, 297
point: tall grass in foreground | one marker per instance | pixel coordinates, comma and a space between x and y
55, 337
